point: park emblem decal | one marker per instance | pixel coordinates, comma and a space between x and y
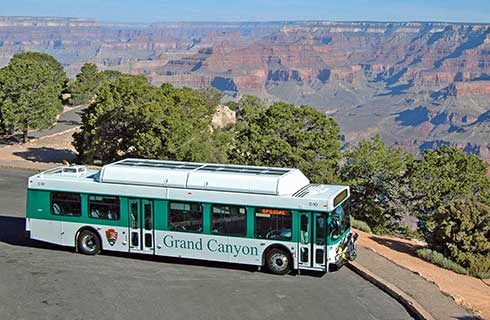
111, 236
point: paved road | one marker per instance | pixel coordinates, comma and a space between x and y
39, 281
68, 120
428, 294
13, 184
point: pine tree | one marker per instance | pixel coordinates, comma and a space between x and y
131, 118
378, 177
86, 85
283, 135
30, 89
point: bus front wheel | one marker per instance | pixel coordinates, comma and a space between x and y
88, 243
278, 261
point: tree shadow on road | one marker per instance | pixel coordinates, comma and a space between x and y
44, 154
397, 245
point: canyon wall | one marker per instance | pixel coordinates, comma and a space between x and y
419, 84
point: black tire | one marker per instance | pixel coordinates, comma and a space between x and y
278, 261
89, 243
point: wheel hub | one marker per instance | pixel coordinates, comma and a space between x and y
279, 262
88, 243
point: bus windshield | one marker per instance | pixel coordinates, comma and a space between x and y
339, 221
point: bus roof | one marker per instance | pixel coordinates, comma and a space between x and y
205, 176
256, 186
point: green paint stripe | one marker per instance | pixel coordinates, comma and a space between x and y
38, 207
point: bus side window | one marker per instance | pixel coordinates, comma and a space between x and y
104, 207
66, 204
185, 217
273, 224
229, 220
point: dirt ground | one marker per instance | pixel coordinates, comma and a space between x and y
469, 291
41, 153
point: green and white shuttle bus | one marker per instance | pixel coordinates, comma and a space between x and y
261, 216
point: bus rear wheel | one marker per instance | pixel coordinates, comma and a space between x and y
88, 243
278, 261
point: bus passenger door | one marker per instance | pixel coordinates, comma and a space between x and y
319, 243
305, 235
141, 220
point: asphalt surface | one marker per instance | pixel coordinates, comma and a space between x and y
68, 120
13, 186
428, 294
41, 281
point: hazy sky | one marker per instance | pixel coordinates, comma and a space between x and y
253, 10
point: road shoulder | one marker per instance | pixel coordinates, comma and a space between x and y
421, 298
443, 293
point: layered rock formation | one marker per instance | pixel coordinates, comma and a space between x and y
419, 84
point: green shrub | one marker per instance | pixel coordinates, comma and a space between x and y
438, 259
360, 225
447, 174
460, 231
477, 265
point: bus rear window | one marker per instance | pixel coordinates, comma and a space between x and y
273, 224
66, 204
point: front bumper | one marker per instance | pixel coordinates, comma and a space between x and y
347, 251
350, 248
